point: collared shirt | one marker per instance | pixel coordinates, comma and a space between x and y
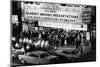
30, 41
26, 40
20, 40
42, 43
46, 44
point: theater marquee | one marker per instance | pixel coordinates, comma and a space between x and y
50, 12
54, 15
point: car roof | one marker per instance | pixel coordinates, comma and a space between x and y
38, 52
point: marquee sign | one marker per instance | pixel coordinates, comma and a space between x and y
63, 25
53, 15
50, 12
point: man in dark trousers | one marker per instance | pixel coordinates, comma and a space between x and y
78, 43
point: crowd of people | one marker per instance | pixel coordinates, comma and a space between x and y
43, 39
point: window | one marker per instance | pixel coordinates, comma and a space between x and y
44, 55
33, 55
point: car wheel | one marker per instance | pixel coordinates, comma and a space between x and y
23, 61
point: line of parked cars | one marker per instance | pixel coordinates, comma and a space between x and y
44, 57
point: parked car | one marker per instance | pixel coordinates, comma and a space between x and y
73, 55
36, 57
16, 52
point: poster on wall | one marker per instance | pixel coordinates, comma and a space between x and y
52, 33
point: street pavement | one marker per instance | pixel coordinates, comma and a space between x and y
86, 56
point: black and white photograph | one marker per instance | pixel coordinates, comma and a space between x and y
44, 33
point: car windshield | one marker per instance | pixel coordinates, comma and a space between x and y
33, 55
44, 55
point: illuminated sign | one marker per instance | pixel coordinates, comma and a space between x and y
51, 6
41, 12
59, 16
63, 25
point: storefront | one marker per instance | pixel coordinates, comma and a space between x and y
42, 15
